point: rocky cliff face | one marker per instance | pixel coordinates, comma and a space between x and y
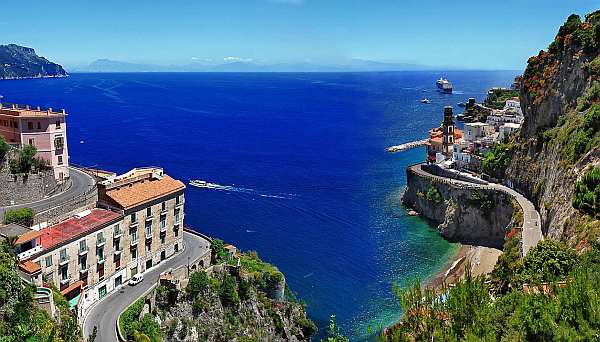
554, 149
475, 217
22, 62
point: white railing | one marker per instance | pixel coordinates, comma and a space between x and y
30, 252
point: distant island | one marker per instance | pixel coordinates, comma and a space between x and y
108, 65
22, 62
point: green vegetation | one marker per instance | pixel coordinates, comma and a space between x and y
219, 254
433, 195
23, 216
334, 334
497, 97
496, 162
587, 193
483, 200
20, 320
26, 161
4, 147
566, 311
144, 329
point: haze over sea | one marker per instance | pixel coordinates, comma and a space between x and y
310, 186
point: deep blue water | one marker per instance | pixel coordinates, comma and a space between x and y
319, 195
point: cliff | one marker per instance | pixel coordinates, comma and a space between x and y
560, 141
22, 62
243, 301
465, 214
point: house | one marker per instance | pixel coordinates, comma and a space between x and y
476, 130
507, 129
441, 139
44, 129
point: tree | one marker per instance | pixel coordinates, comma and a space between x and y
198, 284
3, 148
27, 158
549, 260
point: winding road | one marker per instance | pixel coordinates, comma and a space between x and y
81, 183
104, 314
532, 227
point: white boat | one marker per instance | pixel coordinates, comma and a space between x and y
427, 101
199, 183
444, 85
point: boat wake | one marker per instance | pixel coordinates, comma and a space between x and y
231, 188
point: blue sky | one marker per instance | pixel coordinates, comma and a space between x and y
470, 34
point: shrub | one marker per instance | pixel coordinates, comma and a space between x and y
591, 120
23, 216
219, 254
228, 291
591, 96
550, 260
587, 193
433, 195
197, 285
4, 147
496, 162
129, 320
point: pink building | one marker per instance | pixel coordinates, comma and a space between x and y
44, 129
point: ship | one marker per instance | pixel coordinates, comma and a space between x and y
444, 85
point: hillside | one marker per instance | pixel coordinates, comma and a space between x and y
22, 62
551, 293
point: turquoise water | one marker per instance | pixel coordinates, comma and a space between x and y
311, 187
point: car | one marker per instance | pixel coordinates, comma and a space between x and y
136, 279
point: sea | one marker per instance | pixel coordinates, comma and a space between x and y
300, 162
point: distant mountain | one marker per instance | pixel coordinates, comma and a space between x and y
106, 65
22, 62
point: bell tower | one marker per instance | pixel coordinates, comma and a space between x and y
448, 131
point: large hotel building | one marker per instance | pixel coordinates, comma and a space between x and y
137, 223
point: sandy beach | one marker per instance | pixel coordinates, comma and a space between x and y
481, 261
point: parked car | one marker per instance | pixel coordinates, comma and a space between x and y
136, 279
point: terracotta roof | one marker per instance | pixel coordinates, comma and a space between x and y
133, 194
75, 227
23, 234
30, 235
72, 287
29, 267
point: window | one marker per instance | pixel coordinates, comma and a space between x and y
82, 246
177, 200
133, 218
39, 125
100, 254
60, 160
176, 230
148, 228
163, 223
149, 211
101, 271
59, 143
134, 236
63, 255
64, 274
31, 141
83, 263
57, 124
100, 238
49, 261
30, 125
134, 253
148, 247
176, 215
164, 206
117, 229
117, 244
162, 239
176, 248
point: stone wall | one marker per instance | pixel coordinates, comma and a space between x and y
53, 214
464, 214
19, 189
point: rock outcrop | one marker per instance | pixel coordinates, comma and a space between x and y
22, 62
470, 216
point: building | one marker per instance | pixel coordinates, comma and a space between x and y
151, 204
441, 139
513, 106
27, 241
44, 129
500, 117
477, 130
507, 129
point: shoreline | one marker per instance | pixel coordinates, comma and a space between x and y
481, 259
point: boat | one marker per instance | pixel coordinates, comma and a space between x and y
444, 85
198, 183
427, 101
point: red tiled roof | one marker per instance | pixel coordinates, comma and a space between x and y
29, 267
144, 191
72, 287
75, 227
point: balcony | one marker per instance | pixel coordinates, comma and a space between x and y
29, 253
149, 218
149, 234
118, 251
163, 227
117, 234
133, 225
64, 281
63, 260
101, 242
83, 270
101, 260
83, 251
134, 242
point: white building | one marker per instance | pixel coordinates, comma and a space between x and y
513, 106
507, 129
499, 118
477, 130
